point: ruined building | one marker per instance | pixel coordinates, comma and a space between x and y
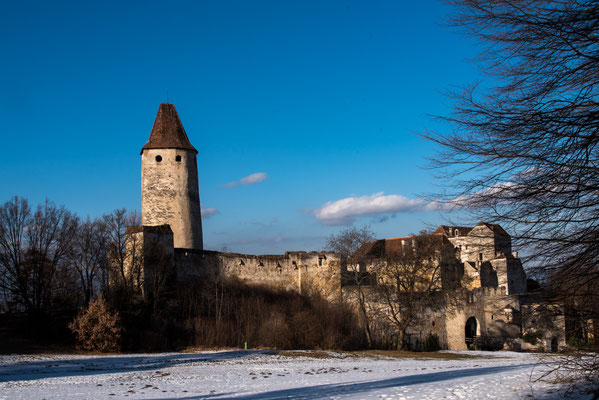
479, 272
489, 307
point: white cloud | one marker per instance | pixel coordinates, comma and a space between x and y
344, 211
208, 212
248, 180
254, 178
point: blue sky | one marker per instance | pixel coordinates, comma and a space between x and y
322, 99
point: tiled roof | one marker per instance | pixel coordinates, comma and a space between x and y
168, 132
387, 247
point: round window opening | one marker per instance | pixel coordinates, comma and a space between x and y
158, 158
178, 158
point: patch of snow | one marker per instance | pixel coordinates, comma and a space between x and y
262, 374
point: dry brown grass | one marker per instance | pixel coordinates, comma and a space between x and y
411, 354
310, 354
378, 354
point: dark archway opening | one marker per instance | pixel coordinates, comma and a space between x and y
554, 345
471, 326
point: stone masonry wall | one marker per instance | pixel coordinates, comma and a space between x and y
497, 317
299, 271
169, 194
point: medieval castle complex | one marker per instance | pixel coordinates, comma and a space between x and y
491, 308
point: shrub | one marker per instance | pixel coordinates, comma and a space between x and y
576, 342
96, 328
232, 313
532, 337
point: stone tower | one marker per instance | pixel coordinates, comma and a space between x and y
169, 180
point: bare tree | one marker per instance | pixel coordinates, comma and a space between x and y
356, 279
33, 248
89, 256
524, 149
348, 241
122, 254
410, 281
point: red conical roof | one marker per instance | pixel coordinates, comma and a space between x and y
168, 132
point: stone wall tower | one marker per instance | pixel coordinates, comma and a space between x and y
169, 180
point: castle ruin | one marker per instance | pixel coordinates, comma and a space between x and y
489, 309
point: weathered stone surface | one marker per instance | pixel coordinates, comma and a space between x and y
493, 275
301, 272
169, 194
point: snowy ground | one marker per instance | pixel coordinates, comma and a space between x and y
268, 375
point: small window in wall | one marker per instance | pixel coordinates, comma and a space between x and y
158, 158
433, 323
509, 316
480, 256
178, 158
319, 262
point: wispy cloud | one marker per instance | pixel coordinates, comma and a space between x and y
248, 180
345, 211
208, 212
271, 244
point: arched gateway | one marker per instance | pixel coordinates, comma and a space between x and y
470, 331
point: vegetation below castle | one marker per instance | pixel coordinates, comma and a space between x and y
53, 265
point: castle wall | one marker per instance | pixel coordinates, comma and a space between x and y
169, 194
301, 272
497, 317
542, 324
516, 277
149, 251
480, 245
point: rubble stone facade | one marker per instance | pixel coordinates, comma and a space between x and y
488, 311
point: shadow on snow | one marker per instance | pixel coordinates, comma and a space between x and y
32, 370
321, 391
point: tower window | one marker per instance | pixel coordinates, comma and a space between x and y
158, 158
178, 158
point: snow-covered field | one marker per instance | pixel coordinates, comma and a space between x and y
268, 375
